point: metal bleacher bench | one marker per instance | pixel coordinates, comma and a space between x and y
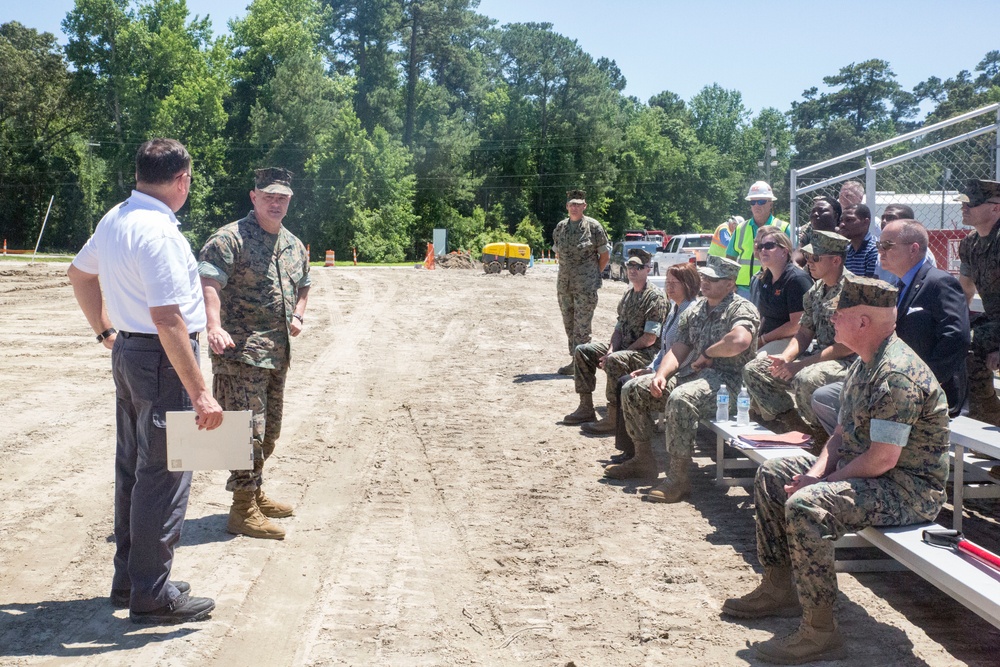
973, 584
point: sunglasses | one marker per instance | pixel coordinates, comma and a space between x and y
636, 267
884, 245
759, 202
812, 259
769, 245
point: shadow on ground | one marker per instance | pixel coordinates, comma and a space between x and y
73, 629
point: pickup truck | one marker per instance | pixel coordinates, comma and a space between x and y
680, 249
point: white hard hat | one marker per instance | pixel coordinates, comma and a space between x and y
760, 190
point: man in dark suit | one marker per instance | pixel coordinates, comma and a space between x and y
932, 317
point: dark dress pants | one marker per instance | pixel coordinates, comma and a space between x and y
150, 501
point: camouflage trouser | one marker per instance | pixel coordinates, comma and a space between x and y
578, 316
691, 399
638, 406
985, 339
616, 365
800, 530
261, 390
771, 394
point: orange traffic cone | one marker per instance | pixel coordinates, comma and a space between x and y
429, 260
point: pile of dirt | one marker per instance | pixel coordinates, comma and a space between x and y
457, 260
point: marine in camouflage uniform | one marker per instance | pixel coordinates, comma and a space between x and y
771, 393
579, 245
639, 313
692, 396
894, 398
979, 257
260, 281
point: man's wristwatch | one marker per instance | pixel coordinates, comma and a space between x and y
107, 333
298, 317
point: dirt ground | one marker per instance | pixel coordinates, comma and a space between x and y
443, 517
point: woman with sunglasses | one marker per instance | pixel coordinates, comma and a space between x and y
777, 290
682, 285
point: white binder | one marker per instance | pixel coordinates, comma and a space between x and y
228, 447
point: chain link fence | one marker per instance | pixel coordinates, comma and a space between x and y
923, 170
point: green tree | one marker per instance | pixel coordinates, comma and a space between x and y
41, 150
866, 105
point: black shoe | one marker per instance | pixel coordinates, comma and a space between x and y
120, 596
620, 457
183, 609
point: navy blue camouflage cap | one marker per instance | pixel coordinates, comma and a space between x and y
639, 257
826, 243
720, 268
273, 179
976, 192
861, 291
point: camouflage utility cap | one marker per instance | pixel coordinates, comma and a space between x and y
576, 197
274, 179
826, 243
638, 257
976, 192
859, 291
720, 268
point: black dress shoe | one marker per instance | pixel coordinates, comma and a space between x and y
120, 596
183, 609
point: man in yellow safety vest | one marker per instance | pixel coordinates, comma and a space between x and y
720, 239
741, 243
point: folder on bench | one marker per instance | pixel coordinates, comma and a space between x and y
790, 439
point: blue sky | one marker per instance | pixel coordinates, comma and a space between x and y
769, 51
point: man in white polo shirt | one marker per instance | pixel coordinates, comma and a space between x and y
149, 278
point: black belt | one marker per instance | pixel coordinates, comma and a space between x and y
133, 334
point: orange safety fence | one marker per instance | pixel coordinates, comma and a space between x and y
429, 260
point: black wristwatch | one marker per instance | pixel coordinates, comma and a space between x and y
107, 333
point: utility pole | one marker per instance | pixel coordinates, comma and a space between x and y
90, 185
770, 158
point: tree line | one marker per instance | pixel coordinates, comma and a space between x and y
399, 116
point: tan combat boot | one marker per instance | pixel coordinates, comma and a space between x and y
245, 518
816, 639
604, 426
583, 413
568, 369
271, 508
676, 486
641, 466
774, 596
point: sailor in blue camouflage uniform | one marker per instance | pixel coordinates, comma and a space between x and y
719, 331
885, 465
255, 276
979, 270
634, 343
581, 247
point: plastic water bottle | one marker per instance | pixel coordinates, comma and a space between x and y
743, 408
722, 404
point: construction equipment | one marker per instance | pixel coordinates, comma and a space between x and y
511, 256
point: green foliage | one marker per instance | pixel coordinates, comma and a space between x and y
401, 116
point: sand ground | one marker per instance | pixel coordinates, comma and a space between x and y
443, 517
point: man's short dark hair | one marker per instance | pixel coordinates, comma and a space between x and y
832, 202
900, 211
863, 212
160, 160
